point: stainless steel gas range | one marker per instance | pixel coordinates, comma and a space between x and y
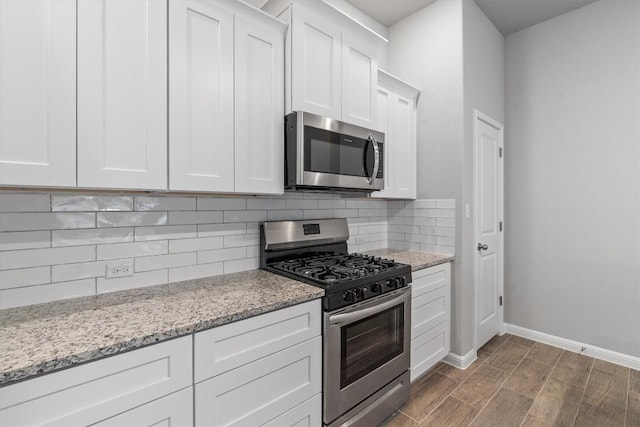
367, 317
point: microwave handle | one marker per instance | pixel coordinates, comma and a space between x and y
376, 158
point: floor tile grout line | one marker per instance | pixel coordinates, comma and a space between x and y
584, 390
500, 387
626, 401
543, 385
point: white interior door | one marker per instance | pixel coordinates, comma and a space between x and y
488, 188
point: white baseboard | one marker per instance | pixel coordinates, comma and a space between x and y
575, 346
461, 362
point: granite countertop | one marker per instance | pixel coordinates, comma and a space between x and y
46, 337
417, 260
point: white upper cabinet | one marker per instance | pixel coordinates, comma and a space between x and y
259, 107
316, 58
226, 103
201, 96
332, 62
38, 92
122, 94
359, 80
397, 103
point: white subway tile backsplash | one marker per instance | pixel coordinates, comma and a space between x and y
50, 256
195, 271
91, 236
84, 270
30, 202
45, 293
16, 240
332, 204
301, 204
218, 255
209, 230
264, 204
196, 217
245, 216
139, 280
124, 219
128, 250
286, 215
196, 244
145, 203
167, 232
221, 204
24, 277
88, 203
241, 240
241, 265
318, 214
159, 262
172, 238
45, 221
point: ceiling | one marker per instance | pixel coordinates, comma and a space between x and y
507, 15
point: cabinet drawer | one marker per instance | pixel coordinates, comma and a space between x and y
429, 310
431, 278
261, 390
96, 391
307, 414
429, 348
175, 410
224, 348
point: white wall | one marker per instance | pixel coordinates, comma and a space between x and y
425, 49
454, 54
572, 151
483, 47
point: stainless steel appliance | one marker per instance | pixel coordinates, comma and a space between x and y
323, 153
367, 317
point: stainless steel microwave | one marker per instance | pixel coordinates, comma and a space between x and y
326, 154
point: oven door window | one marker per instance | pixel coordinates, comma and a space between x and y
331, 152
370, 343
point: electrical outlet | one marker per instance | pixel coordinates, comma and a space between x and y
119, 270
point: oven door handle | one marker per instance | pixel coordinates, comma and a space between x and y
365, 312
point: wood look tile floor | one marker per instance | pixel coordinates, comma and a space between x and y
517, 382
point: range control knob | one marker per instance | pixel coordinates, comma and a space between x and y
348, 296
401, 282
360, 293
375, 288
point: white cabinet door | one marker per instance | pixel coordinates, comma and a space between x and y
122, 94
201, 97
259, 108
38, 92
95, 391
174, 410
259, 391
359, 81
385, 125
316, 57
404, 147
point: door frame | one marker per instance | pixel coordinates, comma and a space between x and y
479, 116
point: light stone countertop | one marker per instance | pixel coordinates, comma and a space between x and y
417, 260
44, 338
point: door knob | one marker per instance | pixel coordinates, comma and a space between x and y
482, 247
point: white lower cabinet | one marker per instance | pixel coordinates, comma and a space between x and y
430, 317
96, 391
265, 370
261, 371
174, 410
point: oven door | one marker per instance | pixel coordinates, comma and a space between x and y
366, 347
